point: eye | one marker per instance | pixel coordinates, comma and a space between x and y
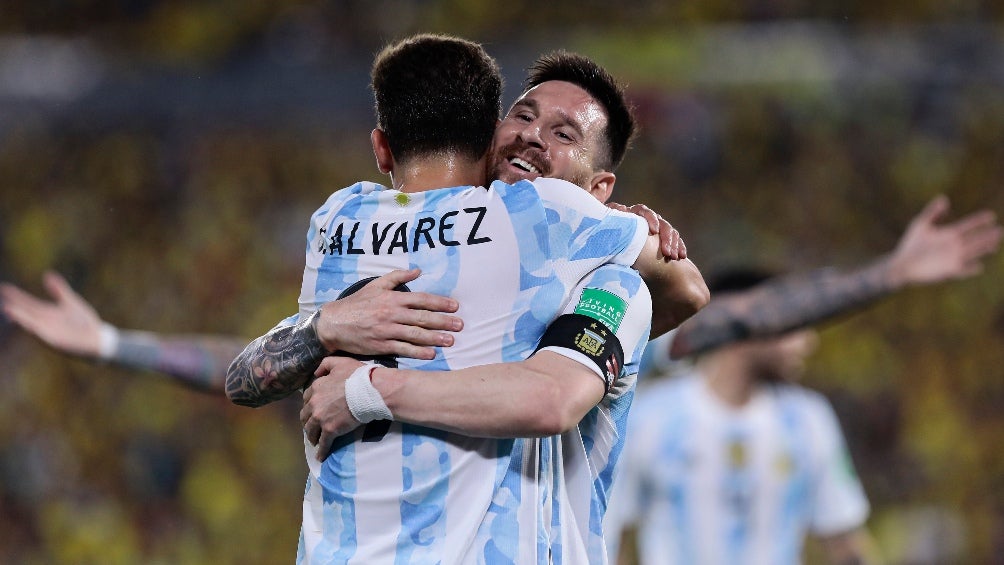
563, 136
524, 117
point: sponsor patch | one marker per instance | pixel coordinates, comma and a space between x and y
602, 305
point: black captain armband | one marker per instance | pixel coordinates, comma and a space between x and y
589, 337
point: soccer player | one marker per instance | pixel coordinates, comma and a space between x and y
511, 255
735, 462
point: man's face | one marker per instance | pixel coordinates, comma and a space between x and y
554, 130
782, 358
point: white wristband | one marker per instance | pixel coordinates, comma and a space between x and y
364, 400
108, 341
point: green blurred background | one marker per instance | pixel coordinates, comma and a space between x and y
165, 157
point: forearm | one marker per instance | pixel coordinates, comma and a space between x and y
197, 361
676, 296
678, 288
545, 395
275, 365
783, 305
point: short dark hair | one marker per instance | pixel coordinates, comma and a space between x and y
436, 93
594, 79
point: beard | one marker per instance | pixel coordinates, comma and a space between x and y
499, 164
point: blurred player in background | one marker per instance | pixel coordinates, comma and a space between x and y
736, 463
730, 460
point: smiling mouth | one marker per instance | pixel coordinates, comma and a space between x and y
524, 165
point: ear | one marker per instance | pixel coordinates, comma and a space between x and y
381, 150
601, 185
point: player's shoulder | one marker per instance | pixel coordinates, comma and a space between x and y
548, 190
355, 190
338, 199
812, 404
659, 392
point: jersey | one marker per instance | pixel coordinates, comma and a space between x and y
577, 469
706, 483
511, 255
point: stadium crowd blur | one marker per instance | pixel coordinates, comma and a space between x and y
165, 156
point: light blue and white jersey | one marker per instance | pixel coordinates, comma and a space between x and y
577, 468
706, 483
511, 255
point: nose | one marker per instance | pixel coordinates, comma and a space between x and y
530, 134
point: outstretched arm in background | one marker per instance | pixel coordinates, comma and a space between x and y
70, 324
927, 253
376, 320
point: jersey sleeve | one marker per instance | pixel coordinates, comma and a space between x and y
839, 503
616, 296
595, 230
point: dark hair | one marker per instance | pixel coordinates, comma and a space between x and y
436, 93
594, 79
735, 279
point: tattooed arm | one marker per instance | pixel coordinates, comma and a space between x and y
780, 305
276, 364
376, 320
69, 324
927, 253
197, 361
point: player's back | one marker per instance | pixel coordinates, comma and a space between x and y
510, 255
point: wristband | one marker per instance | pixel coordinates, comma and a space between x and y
364, 400
108, 341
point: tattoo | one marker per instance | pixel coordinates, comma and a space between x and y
196, 361
776, 307
276, 364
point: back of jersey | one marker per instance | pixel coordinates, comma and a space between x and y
510, 254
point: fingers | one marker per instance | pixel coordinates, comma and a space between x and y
933, 211
648, 215
394, 278
324, 443
18, 305
61, 291
326, 366
984, 220
431, 303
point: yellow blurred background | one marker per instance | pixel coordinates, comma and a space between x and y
165, 157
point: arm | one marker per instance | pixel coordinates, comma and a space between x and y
545, 395
70, 324
677, 286
927, 253
376, 320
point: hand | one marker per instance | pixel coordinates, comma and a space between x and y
670, 243
377, 320
325, 414
69, 323
929, 253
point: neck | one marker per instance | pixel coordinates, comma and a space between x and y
440, 171
727, 378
